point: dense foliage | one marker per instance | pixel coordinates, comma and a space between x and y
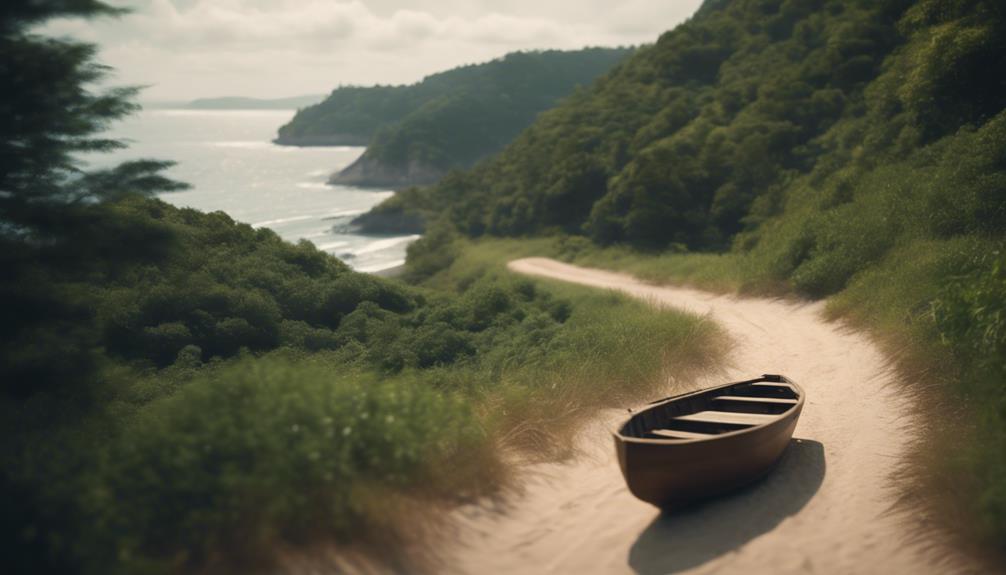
696, 138
350, 114
118, 343
450, 119
195, 391
180, 392
832, 146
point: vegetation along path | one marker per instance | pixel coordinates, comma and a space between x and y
827, 507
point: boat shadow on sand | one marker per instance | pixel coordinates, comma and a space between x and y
691, 537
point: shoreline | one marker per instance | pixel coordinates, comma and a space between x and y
393, 271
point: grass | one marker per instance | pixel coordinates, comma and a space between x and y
232, 463
613, 351
710, 271
933, 305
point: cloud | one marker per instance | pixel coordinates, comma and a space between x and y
191, 48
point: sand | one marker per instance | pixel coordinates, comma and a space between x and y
827, 507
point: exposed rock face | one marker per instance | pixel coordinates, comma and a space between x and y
366, 172
322, 140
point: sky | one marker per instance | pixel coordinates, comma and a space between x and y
186, 49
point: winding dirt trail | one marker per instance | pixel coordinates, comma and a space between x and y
825, 509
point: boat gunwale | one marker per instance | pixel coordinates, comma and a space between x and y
765, 378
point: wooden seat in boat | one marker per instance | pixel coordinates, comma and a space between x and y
756, 399
677, 434
728, 417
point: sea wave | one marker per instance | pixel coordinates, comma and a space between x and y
385, 244
282, 221
329, 216
342, 214
380, 267
331, 245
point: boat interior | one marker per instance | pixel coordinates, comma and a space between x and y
713, 412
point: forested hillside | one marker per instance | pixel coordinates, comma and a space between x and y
350, 115
415, 133
830, 147
676, 145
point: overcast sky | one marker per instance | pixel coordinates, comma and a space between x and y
186, 49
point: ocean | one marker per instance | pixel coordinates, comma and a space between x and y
228, 158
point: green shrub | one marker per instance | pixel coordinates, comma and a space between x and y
970, 315
263, 451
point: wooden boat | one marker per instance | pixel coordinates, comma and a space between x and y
697, 445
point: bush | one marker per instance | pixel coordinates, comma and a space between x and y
287, 454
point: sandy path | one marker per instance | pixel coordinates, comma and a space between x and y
824, 510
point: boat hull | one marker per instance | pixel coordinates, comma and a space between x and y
674, 474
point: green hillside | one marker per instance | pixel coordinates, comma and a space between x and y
829, 147
676, 144
415, 133
350, 115
183, 393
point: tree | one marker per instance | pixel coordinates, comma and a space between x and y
50, 112
52, 210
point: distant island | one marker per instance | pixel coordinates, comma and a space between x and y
242, 103
417, 133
